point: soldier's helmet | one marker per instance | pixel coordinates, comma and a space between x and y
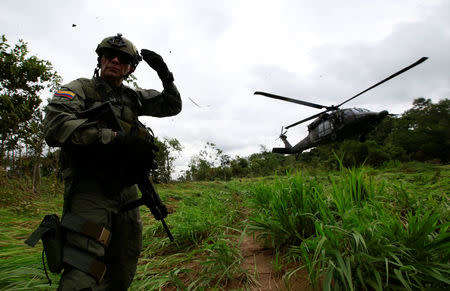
121, 44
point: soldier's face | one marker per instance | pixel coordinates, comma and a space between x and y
113, 70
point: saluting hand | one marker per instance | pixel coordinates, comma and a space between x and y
157, 63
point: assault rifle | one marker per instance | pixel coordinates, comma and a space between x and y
150, 198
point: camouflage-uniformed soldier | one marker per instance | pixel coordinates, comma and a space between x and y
102, 244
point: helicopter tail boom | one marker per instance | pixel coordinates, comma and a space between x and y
284, 151
287, 150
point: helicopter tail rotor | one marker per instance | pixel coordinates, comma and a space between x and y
282, 134
283, 137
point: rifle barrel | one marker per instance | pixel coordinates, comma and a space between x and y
169, 234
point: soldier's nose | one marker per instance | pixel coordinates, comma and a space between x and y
115, 60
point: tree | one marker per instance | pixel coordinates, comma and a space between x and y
424, 130
22, 80
209, 164
201, 165
165, 158
266, 163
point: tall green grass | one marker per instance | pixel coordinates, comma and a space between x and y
287, 209
21, 211
205, 221
355, 234
206, 226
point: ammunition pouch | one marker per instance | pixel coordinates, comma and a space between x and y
88, 228
79, 258
84, 262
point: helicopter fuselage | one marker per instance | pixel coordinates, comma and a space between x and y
334, 126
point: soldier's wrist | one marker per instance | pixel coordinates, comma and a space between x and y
166, 77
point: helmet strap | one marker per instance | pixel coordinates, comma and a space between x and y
97, 69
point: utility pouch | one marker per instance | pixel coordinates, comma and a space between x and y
51, 233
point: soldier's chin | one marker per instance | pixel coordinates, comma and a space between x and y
112, 74
113, 79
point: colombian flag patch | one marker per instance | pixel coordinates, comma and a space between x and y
67, 94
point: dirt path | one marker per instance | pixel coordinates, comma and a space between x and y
258, 261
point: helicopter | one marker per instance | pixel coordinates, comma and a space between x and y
334, 124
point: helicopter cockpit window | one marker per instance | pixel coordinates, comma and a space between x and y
362, 110
359, 110
349, 112
325, 128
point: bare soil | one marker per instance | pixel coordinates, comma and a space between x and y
258, 261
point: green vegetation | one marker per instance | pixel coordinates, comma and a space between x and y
351, 229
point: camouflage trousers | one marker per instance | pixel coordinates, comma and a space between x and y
96, 200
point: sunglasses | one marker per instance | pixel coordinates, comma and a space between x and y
123, 58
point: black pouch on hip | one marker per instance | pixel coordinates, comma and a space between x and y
51, 233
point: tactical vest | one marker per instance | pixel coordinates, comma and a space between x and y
102, 160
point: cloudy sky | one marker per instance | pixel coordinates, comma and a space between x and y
222, 51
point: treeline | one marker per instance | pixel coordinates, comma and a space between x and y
421, 133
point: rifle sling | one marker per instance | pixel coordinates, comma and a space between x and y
133, 204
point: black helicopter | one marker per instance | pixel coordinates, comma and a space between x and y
334, 124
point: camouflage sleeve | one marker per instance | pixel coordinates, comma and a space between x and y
61, 125
160, 104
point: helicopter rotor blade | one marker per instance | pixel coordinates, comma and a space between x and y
306, 119
421, 60
318, 106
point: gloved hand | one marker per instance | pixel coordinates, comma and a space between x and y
135, 136
138, 152
157, 63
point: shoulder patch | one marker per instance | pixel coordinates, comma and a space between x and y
65, 93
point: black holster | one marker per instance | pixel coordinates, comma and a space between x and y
51, 233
